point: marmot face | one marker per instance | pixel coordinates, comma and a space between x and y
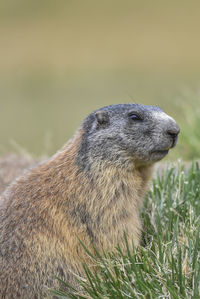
127, 133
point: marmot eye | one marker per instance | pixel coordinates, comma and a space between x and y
134, 116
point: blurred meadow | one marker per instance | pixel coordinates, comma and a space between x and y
59, 60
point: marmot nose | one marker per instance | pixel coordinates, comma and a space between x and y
174, 131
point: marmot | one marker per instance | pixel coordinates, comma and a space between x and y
91, 190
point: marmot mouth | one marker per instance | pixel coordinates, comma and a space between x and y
163, 152
159, 153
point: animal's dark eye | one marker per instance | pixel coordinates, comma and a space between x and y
134, 116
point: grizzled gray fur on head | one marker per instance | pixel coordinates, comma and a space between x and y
127, 133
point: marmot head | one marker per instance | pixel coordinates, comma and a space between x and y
126, 133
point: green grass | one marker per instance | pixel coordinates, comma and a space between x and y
190, 133
167, 264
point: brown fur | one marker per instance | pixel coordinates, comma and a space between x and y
48, 239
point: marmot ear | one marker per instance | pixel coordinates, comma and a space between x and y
102, 117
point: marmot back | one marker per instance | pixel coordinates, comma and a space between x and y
92, 188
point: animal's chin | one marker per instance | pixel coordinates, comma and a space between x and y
152, 157
157, 155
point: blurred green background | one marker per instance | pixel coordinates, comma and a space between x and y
59, 60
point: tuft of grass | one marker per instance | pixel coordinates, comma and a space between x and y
167, 264
189, 141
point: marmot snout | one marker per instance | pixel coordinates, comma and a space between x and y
92, 188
